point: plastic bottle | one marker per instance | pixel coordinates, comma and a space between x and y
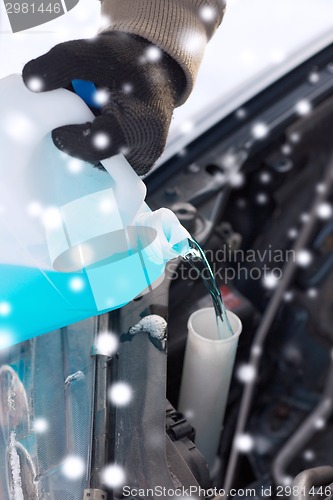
76, 241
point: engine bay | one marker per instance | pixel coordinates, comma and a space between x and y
255, 190
259, 200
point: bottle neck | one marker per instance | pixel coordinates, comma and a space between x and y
172, 239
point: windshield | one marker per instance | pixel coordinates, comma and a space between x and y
257, 38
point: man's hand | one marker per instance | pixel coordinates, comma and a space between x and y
137, 89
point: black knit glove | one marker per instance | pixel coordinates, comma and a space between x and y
139, 86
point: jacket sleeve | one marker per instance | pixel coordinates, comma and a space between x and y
181, 28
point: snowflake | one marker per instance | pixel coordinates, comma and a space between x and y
207, 13
256, 350
270, 280
127, 88
262, 198
324, 210
101, 97
153, 54
292, 233
319, 423
75, 165
5, 338
288, 296
113, 476
265, 177
321, 188
286, 149
241, 113
287, 481
186, 127
120, 394
73, 467
106, 206
246, 373
314, 77
278, 56
305, 217
40, 425
34, 209
309, 455
260, 130
244, 443
107, 343
312, 293
303, 107
236, 179
35, 84
5, 308
295, 137
76, 284
52, 217
19, 127
303, 258
193, 42
101, 140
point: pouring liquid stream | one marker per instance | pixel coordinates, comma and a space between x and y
197, 259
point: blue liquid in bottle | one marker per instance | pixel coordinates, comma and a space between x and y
34, 301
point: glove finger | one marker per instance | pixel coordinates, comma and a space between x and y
50, 71
91, 60
144, 129
126, 126
62, 64
91, 142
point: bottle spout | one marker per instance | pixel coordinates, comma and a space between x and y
171, 238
